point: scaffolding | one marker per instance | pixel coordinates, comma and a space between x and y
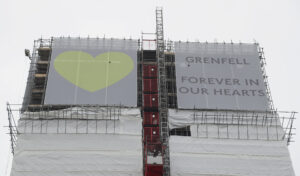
13, 129
157, 93
171, 75
153, 98
41, 58
76, 119
262, 60
240, 125
37, 76
163, 94
40, 62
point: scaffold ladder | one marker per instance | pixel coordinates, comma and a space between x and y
163, 95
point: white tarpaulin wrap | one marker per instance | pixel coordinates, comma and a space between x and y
219, 76
216, 157
78, 155
108, 144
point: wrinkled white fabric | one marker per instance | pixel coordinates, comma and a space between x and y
223, 157
78, 154
79, 142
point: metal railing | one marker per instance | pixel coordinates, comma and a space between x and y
248, 125
79, 119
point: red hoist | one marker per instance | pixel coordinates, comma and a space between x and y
155, 112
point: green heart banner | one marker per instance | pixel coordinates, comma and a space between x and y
93, 73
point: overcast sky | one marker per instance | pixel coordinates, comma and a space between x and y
272, 23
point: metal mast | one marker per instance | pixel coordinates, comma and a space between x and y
163, 94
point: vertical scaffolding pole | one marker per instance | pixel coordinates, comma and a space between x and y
163, 95
12, 128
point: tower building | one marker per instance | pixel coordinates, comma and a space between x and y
133, 107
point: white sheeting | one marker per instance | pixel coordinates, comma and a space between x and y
77, 155
67, 144
121, 155
56, 146
223, 157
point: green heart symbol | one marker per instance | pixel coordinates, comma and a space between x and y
93, 73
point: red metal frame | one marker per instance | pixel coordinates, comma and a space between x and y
150, 71
154, 170
150, 85
151, 118
151, 137
151, 134
150, 100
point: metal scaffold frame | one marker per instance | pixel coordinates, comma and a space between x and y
163, 93
157, 97
75, 119
241, 125
13, 130
37, 76
262, 60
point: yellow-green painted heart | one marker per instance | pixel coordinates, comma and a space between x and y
93, 73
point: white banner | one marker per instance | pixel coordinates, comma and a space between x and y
219, 76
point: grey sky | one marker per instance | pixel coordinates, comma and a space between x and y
272, 23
